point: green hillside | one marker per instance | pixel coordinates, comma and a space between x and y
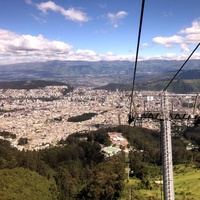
177, 86
77, 169
186, 185
20, 183
187, 182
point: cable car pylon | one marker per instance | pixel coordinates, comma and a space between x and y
167, 162
165, 120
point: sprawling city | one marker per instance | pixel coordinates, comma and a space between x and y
41, 115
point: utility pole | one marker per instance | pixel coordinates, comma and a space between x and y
168, 182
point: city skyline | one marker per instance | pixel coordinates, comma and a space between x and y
35, 30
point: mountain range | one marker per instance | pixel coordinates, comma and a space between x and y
101, 73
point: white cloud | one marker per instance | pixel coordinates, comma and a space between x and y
24, 48
15, 48
169, 56
87, 55
173, 56
86, 52
192, 36
115, 18
194, 29
145, 45
184, 47
70, 14
168, 41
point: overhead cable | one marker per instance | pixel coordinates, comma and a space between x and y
137, 51
181, 67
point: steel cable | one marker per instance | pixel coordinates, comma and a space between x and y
137, 52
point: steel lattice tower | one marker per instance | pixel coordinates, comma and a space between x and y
168, 182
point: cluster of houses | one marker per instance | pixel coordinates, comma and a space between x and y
119, 143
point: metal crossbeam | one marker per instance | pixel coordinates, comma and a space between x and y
172, 116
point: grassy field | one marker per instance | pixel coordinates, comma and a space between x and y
187, 182
186, 186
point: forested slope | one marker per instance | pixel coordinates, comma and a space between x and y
76, 168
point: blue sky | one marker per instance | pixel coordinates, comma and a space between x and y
40, 30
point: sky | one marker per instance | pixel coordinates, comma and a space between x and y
93, 30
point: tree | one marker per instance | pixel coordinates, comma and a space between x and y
67, 185
106, 181
20, 183
22, 141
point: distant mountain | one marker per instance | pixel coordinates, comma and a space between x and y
30, 84
190, 74
114, 87
177, 86
96, 74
